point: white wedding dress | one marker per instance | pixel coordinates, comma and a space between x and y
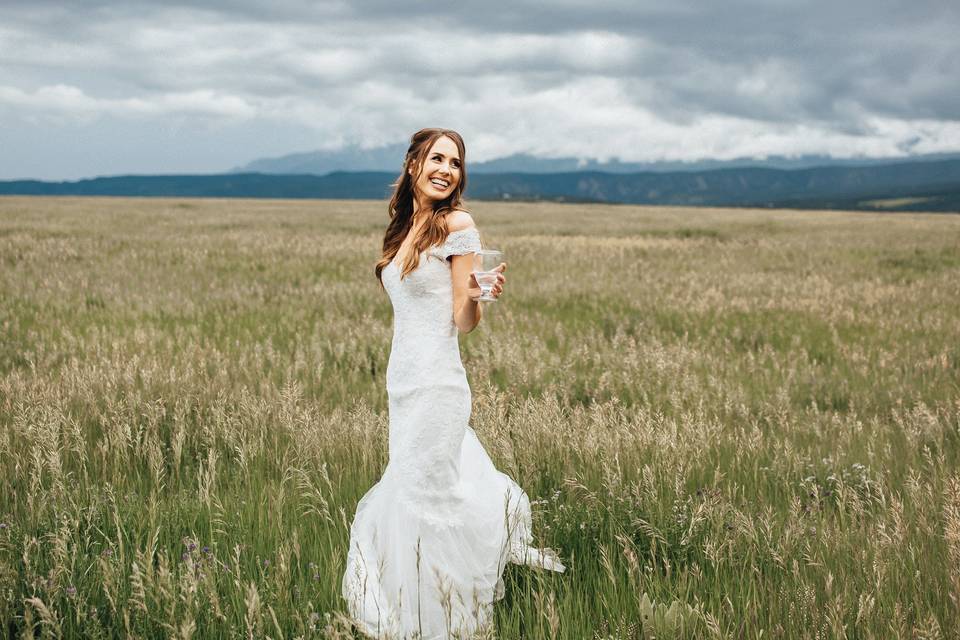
430, 540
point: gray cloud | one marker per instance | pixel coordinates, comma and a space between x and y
638, 80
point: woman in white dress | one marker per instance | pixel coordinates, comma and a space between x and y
430, 540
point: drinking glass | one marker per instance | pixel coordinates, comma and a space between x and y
484, 263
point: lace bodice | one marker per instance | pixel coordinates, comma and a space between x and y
423, 300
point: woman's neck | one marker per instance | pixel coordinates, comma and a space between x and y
421, 211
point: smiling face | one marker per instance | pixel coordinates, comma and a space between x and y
441, 170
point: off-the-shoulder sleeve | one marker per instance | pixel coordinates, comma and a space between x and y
461, 242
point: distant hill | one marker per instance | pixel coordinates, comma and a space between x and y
359, 185
908, 186
389, 158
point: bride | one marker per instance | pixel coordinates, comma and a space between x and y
430, 540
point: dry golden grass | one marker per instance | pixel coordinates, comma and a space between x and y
749, 419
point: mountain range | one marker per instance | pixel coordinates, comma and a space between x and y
916, 185
389, 158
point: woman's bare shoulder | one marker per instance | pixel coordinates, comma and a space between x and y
458, 220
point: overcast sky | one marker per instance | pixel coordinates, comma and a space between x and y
96, 88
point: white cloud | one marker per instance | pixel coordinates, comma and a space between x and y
63, 102
632, 80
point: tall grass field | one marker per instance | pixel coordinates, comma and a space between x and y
731, 423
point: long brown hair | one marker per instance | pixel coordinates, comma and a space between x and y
434, 229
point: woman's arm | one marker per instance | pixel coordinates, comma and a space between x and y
466, 310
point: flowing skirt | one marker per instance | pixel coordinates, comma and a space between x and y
430, 540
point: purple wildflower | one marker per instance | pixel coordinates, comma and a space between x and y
71, 591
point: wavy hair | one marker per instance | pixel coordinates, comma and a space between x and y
434, 229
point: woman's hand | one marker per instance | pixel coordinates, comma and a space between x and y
473, 288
